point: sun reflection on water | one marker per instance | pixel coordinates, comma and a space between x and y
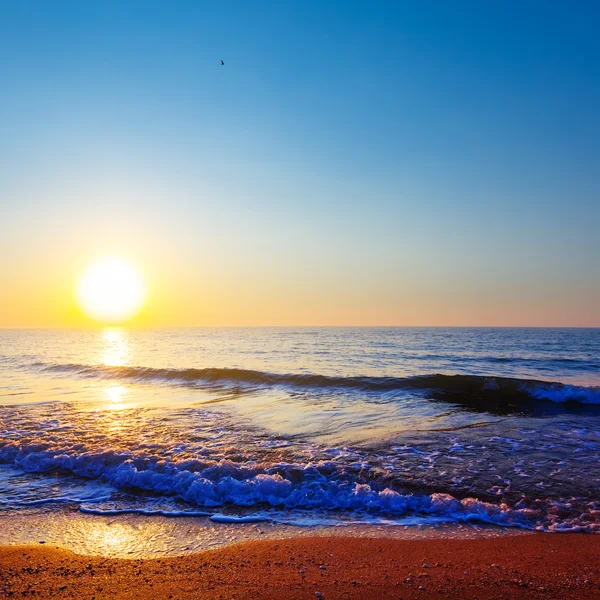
114, 348
116, 394
109, 538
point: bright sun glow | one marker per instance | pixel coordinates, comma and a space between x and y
111, 290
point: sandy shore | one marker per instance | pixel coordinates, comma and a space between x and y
524, 566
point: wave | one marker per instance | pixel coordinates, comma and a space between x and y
312, 486
259, 491
445, 387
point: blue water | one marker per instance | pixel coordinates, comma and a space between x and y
308, 425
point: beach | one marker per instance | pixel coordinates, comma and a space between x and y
522, 566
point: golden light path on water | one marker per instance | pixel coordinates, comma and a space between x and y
114, 352
114, 348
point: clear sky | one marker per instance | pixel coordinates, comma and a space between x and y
366, 163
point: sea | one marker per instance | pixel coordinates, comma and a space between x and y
305, 426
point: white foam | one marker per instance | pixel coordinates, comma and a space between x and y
566, 393
226, 483
219, 518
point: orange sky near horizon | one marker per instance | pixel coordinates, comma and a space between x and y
44, 296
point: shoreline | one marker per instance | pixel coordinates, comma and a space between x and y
158, 536
535, 565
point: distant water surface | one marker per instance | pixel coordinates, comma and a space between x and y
306, 426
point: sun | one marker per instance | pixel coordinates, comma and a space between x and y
111, 291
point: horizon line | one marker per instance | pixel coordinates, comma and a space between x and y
142, 327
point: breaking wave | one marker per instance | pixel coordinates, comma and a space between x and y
210, 485
322, 486
443, 386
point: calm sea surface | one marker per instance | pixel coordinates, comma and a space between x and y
306, 426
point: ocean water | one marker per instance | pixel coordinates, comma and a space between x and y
370, 426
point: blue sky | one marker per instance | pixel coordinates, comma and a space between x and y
352, 162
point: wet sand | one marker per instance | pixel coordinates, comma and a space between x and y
521, 566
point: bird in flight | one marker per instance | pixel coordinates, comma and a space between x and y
222, 63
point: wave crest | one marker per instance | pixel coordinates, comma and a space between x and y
445, 386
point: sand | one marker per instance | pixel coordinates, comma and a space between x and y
524, 566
